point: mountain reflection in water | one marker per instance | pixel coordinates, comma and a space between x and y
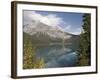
57, 56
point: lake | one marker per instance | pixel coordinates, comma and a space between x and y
58, 55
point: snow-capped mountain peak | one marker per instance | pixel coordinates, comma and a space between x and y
38, 28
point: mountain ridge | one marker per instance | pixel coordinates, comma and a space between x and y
42, 33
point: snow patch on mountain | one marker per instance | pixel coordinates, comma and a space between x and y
38, 28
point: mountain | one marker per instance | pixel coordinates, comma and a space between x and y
42, 33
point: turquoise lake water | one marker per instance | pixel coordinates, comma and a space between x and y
58, 56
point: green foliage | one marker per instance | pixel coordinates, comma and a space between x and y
29, 60
84, 47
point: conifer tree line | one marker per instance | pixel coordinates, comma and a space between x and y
84, 50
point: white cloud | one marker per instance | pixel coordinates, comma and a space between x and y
77, 31
68, 27
50, 19
73, 30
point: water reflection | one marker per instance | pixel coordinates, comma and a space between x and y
57, 56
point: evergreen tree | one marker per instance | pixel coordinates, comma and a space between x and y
84, 47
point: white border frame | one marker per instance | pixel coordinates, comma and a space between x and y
50, 71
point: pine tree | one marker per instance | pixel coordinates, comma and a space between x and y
84, 47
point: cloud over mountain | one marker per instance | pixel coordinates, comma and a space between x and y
51, 20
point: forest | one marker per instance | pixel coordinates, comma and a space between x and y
84, 51
30, 60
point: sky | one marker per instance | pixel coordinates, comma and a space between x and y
67, 21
